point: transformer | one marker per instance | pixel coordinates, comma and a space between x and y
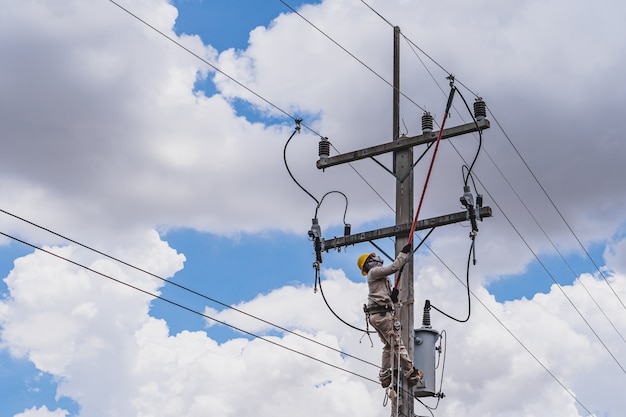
424, 351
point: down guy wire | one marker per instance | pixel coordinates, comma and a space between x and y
170, 282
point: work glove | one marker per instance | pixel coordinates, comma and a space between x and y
406, 248
394, 295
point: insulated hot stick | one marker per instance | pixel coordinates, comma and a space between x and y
430, 168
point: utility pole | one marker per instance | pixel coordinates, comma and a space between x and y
402, 148
403, 169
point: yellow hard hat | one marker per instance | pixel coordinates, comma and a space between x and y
361, 262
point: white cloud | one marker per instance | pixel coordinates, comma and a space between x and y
42, 412
105, 140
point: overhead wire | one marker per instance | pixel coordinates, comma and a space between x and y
493, 117
556, 208
522, 201
186, 308
510, 332
411, 43
349, 53
191, 310
543, 230
287, 113
469, 171
175, 284
217, 69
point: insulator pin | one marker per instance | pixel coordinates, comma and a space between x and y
480, 109
427, 123
324, 148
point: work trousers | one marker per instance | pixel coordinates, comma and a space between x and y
383, 323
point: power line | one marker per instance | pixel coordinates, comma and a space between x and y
521, 158
353, 57
350, 54
206, 297
440, 66
556, 209
412, 44
188, 308
534, 254
247, 89
240, 311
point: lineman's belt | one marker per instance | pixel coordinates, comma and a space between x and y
377, 308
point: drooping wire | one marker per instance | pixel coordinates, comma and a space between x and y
345, 211
467, 285
480, 140
296, 130
319, 283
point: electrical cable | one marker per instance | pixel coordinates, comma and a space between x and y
251, 91
182, 287
556, 208
176, 304
345, 211
480, 141
186, 308
557, 283
469, 300
411, 43
541, 187
319, 283
501, 323
297, 129
351, 54
587, 253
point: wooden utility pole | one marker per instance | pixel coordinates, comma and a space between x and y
402, 148
403, 170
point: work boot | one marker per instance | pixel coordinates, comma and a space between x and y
415, 377
385, 378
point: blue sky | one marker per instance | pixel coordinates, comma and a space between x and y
129, 144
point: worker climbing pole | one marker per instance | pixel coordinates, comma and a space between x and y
413, 379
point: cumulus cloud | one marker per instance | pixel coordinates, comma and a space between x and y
106, 139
